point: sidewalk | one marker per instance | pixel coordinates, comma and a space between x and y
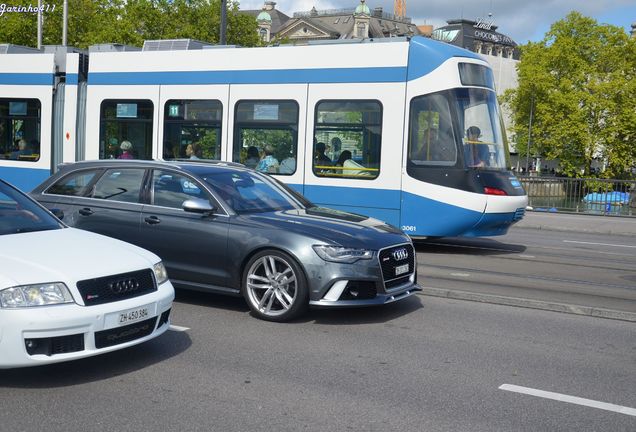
611, 225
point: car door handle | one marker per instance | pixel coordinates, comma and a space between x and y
152, 220
86, 211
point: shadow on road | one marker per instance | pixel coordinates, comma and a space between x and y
337, 316
101, 367
367, 315
470, 246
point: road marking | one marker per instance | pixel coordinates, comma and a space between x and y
598, 244
526, 256
460, 274
570, 399
178, 328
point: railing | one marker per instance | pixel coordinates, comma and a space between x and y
578, 195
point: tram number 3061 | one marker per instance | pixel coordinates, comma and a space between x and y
409, 228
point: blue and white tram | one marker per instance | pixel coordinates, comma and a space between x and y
38, 111
375, 127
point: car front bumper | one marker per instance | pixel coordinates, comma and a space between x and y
82, 328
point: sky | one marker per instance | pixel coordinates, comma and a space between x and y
522, 21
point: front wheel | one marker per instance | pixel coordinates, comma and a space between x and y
274, 286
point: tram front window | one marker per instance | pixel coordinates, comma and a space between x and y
456, 128
482, 141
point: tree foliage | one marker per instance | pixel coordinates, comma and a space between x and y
129, 22
580, 83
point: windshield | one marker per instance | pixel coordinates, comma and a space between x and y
19, 214
483, 141
249, 192
458, 127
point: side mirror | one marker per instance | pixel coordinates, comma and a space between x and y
196, 205
58, 213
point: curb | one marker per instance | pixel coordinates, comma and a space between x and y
530, 304
574, 230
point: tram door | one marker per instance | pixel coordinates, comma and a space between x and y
268, 130
356, 131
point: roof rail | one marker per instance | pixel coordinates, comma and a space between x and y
205, 162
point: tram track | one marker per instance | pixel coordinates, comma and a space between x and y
540, 255
533, 271
425, 266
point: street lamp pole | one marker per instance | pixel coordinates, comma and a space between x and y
39, 24
529, 135
65, 22
222, 38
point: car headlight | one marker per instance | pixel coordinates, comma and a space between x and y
342, 254
35, 295
160, 273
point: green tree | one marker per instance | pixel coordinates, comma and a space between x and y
580, 83
130, 22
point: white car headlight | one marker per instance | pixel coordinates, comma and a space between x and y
342, 254
160, 273
35, 295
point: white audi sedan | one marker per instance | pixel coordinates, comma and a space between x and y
67, 294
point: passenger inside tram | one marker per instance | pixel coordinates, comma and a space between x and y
476, 153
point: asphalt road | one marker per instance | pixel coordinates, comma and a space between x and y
425, 364
547, 265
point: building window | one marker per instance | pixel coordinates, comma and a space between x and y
125, 129
20, 129
361, 30
266, 135
192, 129
348, 139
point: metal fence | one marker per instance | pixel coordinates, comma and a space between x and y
578, 195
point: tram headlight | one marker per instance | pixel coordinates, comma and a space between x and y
342, 254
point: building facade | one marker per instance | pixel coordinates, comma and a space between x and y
358, 23
480, 36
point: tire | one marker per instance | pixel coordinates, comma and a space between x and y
275, 286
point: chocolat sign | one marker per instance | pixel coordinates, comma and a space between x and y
484, 31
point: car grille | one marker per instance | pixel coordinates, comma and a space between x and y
124, 334
393, 257
55, 345
117, 287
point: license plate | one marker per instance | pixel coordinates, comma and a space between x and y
129, 316
401, 269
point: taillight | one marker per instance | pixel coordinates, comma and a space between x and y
494, 191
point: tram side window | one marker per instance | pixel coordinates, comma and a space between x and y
266, 135
348, 139
431, 138
125, 129
192, 129
20, 129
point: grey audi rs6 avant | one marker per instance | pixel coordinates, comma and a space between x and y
224, 228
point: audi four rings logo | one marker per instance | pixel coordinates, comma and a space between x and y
123, 286
400, 254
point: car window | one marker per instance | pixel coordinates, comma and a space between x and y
74, 184
19, 214
120, 185
248, 193
170, 189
